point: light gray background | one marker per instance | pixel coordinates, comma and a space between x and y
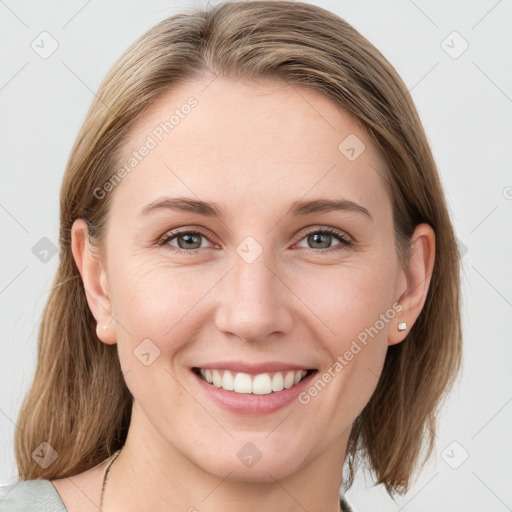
466, 106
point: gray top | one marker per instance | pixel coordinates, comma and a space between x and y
41, 495
30, 496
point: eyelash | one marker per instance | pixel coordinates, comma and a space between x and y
342, 238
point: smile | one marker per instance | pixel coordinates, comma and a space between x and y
258, 384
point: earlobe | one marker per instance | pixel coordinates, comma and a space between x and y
94, 280
417, 276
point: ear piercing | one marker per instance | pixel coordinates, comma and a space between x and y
105, 327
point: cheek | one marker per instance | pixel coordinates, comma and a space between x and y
153, 300
152, 306
358, 311
355, 305
350, 297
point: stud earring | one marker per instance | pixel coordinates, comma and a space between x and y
402, 326
105, 327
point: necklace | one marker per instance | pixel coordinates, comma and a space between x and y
105, 477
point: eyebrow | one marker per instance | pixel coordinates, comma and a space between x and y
210, 209
326, 205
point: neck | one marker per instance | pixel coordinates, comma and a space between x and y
150, 472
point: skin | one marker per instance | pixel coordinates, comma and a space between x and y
253, 148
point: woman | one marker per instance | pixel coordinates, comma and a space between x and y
258, 277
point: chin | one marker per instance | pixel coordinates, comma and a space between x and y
249, 464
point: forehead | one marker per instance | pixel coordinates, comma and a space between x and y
249, 143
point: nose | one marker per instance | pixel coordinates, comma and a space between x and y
254, 302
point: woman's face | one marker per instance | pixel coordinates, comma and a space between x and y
251, 284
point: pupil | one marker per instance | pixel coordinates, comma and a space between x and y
316, 238
189, 239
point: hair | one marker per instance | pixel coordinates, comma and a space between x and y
78, 401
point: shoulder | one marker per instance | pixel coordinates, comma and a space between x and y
30, 495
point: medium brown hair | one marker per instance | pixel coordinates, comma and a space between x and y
78, 402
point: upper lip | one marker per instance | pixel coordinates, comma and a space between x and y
253, 368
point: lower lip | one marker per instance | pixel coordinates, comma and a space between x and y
249, 403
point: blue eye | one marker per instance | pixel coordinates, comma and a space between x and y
318, 239
186, 240
322, 238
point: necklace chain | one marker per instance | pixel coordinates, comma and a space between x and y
105, 477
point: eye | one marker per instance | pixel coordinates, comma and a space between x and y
185, 241
322, 239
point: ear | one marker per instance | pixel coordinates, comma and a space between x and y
95, 281
414, 281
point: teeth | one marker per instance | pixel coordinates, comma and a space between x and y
278, 382
243, 383
261, 384
228, 381
289, 380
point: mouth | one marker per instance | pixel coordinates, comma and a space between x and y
253, 384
